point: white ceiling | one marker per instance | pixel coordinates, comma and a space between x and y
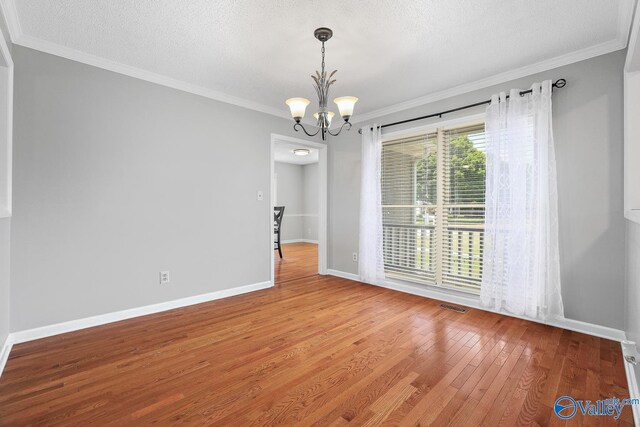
283, 153
257, 53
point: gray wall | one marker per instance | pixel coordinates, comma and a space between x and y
298, 192
588, 133
632, 309
311, 195
5, 223
289, 195
116, 179
5, 232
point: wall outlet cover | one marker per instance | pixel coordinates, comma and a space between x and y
164, 277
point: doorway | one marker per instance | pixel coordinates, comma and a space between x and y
299, 184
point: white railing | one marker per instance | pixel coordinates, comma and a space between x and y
410, 253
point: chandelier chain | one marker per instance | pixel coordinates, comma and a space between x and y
322, 57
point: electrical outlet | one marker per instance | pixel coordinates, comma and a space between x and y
260, 195
164, 277
630, 352
355, 257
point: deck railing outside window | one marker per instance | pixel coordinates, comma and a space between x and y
433, 207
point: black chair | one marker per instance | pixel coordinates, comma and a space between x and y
278, 213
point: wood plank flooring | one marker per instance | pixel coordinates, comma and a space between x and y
318, 351
298, 260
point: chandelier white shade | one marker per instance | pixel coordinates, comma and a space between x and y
322, 83
327, 118
345, 105
298, 107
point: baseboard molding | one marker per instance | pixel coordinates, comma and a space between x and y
4, 354
299, 241
634, 391
474, 302
589, 329
343, 275
102, 319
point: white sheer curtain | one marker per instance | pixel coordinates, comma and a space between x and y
371, 264
521, 271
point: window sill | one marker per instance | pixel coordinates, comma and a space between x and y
466, 298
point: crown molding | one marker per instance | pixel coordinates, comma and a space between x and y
117, 67
518, 73
625, 17
19, 38
626, 10
632, 63
11, 18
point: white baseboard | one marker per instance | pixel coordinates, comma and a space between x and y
4, 353
88, 322
634, 391
343, 274
299, 241
473, 301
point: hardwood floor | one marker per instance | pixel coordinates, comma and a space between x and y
313, 351
298, 260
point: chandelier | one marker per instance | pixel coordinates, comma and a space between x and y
321, 83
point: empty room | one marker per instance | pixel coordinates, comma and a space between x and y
320, 213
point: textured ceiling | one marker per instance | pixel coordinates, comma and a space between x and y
386, 52
283, 153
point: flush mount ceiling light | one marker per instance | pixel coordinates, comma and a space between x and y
301, 152
321, 85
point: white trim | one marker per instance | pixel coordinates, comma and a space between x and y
632, 61
628, 21
472, 301
4, 353
625, 11
322, 196
433, 127
299, 215
127, 70
343, 274
284, 242
11, 18
632, 382
549, 64
102, 319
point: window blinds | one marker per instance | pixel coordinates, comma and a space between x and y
433, 207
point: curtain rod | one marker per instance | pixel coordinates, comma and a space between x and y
560, 83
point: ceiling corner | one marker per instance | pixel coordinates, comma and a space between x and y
626, 9
11, 17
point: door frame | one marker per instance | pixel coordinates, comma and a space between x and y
322, 195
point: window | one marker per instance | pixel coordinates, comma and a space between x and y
433, 192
